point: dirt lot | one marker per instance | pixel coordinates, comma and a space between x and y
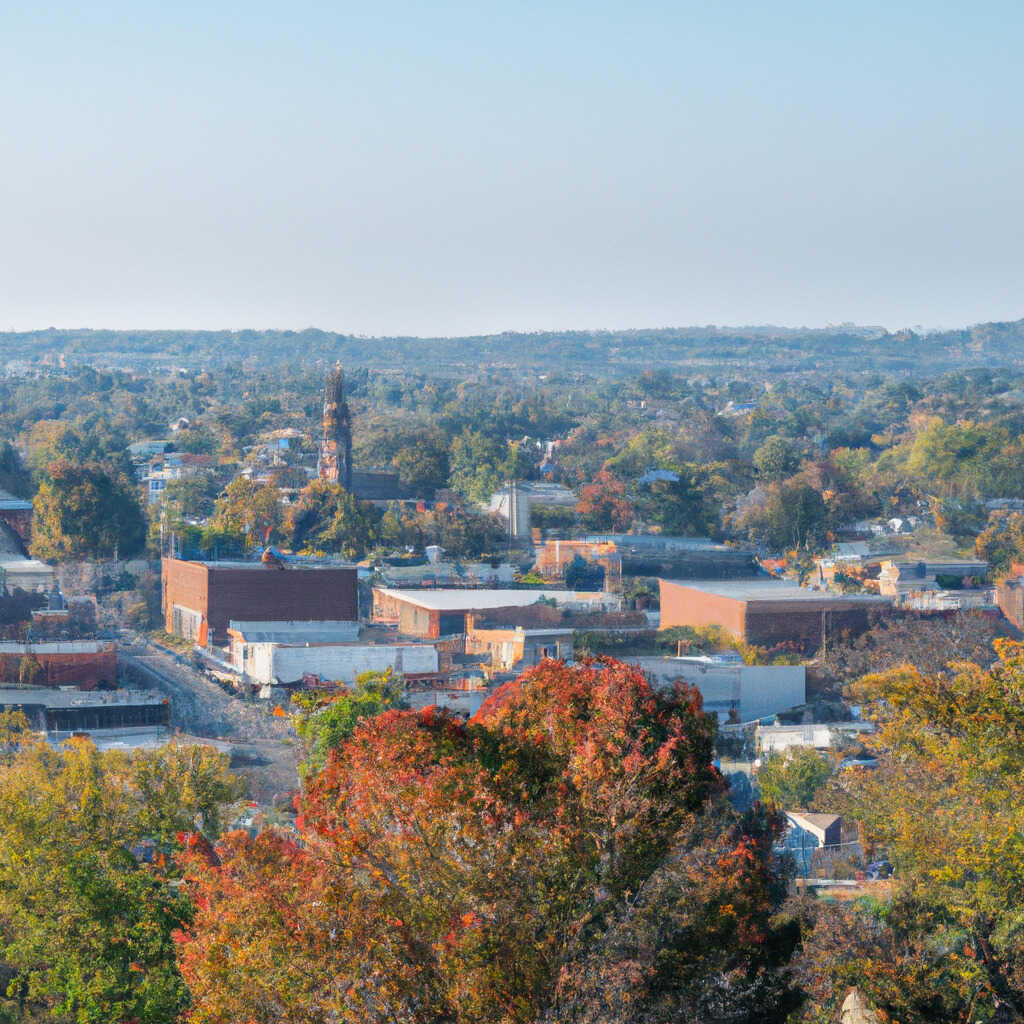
263, 749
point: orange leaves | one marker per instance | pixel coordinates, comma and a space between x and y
454, 866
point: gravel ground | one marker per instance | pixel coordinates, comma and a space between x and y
263, 748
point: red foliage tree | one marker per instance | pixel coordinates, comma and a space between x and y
603, 504
502, 870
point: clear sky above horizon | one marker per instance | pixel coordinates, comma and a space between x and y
411, 168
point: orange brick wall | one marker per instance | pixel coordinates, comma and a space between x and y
681, 606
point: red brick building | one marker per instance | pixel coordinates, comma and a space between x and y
87, 664
203, 597
766, 612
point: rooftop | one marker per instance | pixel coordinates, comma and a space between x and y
9, 503
772, 590
325, 632
476, 599
255, 564
52, 697
658, 542
821, 821
57, 646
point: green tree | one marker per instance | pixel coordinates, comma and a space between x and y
14, 476
480, 464
791, 515
682, 508
86, 930
326, 719
250, 510
1001, 543
325, 517
86, 511
423, 466
790, 781
776, 458
200, 440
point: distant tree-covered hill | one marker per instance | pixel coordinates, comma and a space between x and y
763, 348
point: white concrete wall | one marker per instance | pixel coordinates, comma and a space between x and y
768, 689
756, 690
341, 662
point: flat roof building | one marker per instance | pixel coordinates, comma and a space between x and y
435, 613
201, 598
283, 653
124, 718
766, 612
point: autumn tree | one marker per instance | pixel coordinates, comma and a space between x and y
86, 929
325, 517
1001, 542
947, 804
568, 855
603, 504
248, 510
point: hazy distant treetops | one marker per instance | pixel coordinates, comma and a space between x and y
864, 443
765, 346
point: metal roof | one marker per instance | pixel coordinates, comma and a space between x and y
325, 632
72, 698
9, 503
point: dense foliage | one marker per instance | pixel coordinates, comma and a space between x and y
946, 804
568, 855
86, 927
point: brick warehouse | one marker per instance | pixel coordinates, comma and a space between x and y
766, 612
201, 598
87, 664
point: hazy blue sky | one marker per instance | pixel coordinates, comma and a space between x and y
403, 167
